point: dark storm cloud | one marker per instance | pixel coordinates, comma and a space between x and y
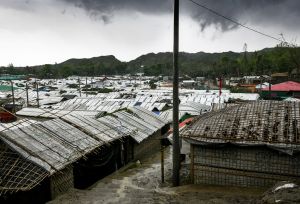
255, 11
282, 13
265, 12
148, 6
104, 10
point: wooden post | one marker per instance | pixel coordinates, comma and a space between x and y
79, 87
13, 96
162, 164
270, 90
37, 94
27, 98
86, 87
192, 165
261, 78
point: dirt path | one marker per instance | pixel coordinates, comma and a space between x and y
140, 183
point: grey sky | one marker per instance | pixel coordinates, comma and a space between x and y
48, 31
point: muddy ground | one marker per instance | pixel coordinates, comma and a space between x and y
141, 183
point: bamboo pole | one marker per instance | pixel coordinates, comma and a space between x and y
162, 164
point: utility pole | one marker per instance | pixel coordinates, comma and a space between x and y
27, 99
37, 94
162, 166
270, 90
79, 87
13, 96
220, 89
86, 88
176, 146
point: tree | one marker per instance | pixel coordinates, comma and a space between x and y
152, 84
11, 69
47, 71
293, 51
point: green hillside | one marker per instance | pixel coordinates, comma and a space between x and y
266, 61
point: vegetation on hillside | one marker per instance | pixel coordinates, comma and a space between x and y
266, 61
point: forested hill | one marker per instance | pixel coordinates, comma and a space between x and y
266, 61
200, 63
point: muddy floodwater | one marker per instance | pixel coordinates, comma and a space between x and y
140, 183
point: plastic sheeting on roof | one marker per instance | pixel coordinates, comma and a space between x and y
167, 115
244, 96
140, 125
148, 116
53, 113
143, 127
95, 128
291, 99
285, 86
16, 124
52, 145
108, 105
134, 131
191, 108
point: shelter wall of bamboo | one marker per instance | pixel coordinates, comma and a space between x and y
148, 146
243, 166
61, 182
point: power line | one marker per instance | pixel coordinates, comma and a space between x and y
236, 22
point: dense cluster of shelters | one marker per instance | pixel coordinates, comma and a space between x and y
67, 132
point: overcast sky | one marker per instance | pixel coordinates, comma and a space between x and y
36, 32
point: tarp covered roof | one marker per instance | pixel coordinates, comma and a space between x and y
54, 113
285, 86
31, 152
53, 144
95, 128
